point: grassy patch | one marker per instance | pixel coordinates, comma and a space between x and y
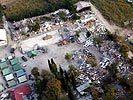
117, 11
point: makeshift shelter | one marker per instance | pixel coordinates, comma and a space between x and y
16, 67
1, 87
11, 83
9, 77
3, 65
82, 5
14, 61
20, 72
22, 79
3, 37
6, 71
31, 53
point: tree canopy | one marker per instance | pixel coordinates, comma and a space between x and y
54, 89
30, 8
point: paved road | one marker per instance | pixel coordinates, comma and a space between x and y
101, 18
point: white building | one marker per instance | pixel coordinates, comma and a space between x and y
3, 37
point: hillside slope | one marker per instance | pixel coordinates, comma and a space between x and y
117, 11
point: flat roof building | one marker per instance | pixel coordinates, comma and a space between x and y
83, 87
82, 5
3, 37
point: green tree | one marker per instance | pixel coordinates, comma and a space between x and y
113, 71
39, 86
124, 48
1, 13
62, 15
130, 81
65, 84
66, 76
110, 94
45, 75
61, 71
88, 34
97, 41
35, 72
109, 35
36, 26
73, 80
75, 17
70, 95
77, 34
54, 68
94, 93
49, 64
69, 4
123, 82
68, 56
52, 61
54, 89
73, 70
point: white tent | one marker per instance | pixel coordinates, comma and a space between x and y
3, 37
22, 79
9, 77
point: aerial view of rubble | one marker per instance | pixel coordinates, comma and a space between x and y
66, 50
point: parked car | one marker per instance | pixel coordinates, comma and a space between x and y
24, 58
24, 65
72, 39
12, 50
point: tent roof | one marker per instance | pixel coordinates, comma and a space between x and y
11, 83
1, 87
81, 4
3, 65
6, 71
9, 77
14, 61
16, 67
20, 73
32, 53
22, 79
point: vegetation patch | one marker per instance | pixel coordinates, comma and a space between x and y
29, 8
117, 11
